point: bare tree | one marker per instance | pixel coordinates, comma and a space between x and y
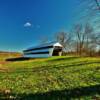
97, 3
89, 10
79, 37
92, 4
88, 31
64, 38
85, 38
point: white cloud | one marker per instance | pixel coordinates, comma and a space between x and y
27, 24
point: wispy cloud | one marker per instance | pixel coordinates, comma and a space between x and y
27, 24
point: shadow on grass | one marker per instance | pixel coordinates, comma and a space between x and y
66, 58
50, 68
18, 59
27, 58
78, 93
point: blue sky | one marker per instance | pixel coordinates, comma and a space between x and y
24, 23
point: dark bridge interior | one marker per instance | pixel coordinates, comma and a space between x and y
57, 51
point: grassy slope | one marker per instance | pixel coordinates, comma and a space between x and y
57, 78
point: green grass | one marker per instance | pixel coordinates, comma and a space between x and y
55, 78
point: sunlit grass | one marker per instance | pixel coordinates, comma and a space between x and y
62, 74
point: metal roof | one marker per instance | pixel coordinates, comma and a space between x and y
47, 44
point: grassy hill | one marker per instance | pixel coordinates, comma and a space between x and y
5, 55
55, 78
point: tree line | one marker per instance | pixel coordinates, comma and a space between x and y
82, 41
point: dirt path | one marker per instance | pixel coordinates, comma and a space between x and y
3, 67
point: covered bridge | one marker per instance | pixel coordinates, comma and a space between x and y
44, 50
